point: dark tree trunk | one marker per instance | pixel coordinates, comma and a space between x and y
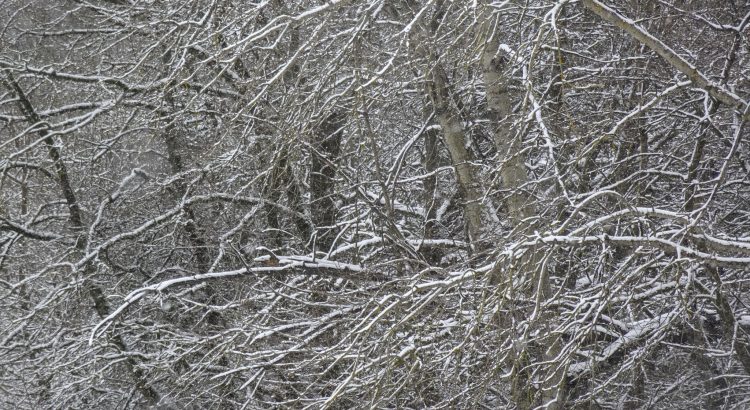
325, 153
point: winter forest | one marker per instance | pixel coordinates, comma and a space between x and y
336, 204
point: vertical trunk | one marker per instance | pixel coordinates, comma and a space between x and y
325, 153
198, 243
179, 159
175, 144
431, 163
508, 145
437, 88
740, 343
272, 192
294, 196
281, 180
521, 211
729, 323
455, 139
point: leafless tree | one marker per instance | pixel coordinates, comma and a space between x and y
408, 203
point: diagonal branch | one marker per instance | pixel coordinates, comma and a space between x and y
639, 33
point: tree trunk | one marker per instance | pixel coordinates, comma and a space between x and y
455, 139
325, 153
101, 306
521, 211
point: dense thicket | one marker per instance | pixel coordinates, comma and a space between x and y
392, 204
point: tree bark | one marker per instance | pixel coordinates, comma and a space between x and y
521, 212
326, 149
101, 306
716, 91
456, 141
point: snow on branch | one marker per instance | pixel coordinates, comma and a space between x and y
269, 264
675, 60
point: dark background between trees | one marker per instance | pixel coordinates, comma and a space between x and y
396, 204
